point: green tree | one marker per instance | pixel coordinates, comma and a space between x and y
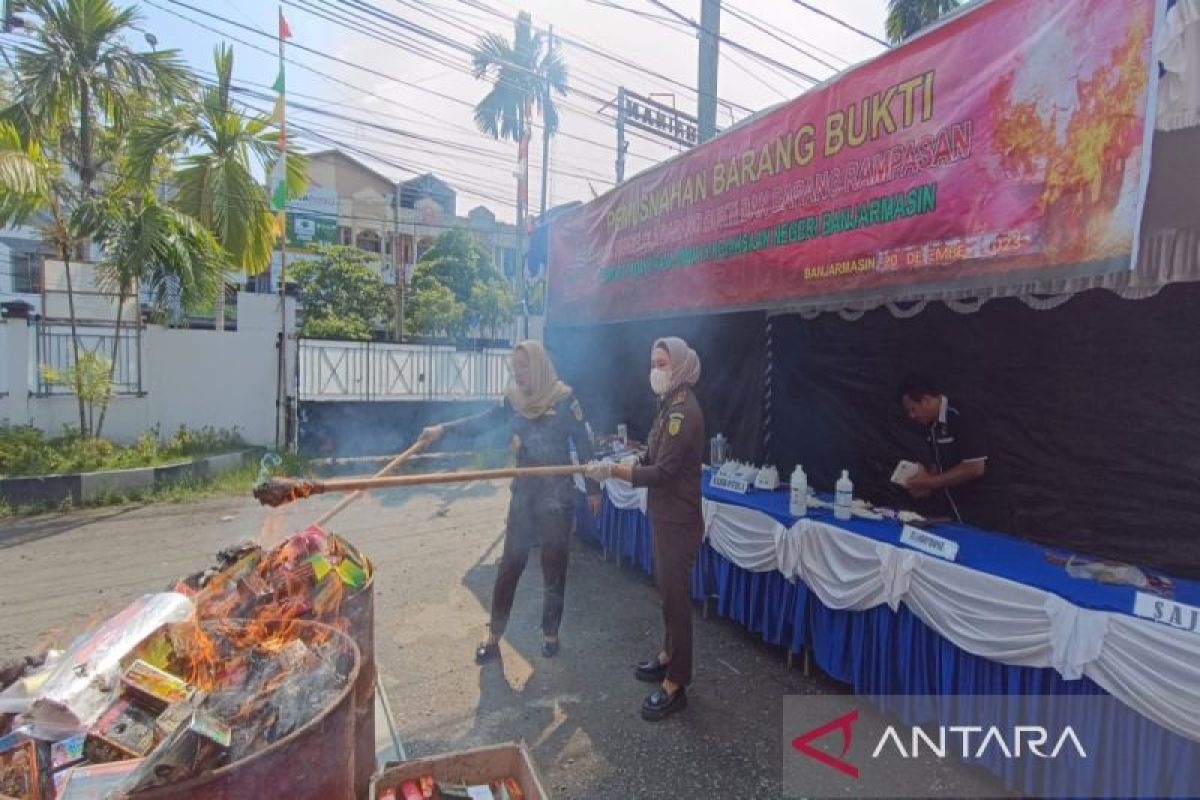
457, 261
215, 182
79, 89
90, 377
434, 310
526, 74
24, 177
492, 303
341, 294
906, 17
458, 264
150, 244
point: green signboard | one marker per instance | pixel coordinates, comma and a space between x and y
310, 229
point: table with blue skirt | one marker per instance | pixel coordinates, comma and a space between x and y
906, 626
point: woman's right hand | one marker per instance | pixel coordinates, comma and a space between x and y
431, 435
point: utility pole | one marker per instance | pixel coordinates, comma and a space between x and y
399, 265
546, 132
622, 145
710, 32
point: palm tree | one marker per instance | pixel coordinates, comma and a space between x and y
906, 17
215, 182
23, 177
79, 87
526, 73
152, 245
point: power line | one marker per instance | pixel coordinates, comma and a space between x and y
345, 62
469, 182
429, 140
462, 68
760, 26
779, 65
841, 22
575, 72
599, 51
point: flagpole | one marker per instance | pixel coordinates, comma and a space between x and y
281, 438
522, 210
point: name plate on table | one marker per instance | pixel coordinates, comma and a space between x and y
735, 477
929, 543
1168, 612
732, 483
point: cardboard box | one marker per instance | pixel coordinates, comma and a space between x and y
480, 766
94, 781
125, 730
21, 772
154, 688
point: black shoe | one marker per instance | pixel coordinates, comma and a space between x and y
651, 670
486, 652
660, 705
549, 648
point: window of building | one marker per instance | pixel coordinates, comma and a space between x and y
508, 261
27, 273
369, 241
345, 236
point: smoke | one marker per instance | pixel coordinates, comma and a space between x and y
385, 427
608, 366
271, 461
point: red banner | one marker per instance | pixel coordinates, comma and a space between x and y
1009, 144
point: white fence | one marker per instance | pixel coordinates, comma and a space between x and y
197, 378
54, 349
338, 370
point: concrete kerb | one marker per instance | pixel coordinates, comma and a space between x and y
52, 490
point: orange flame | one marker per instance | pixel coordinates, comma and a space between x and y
1083, 170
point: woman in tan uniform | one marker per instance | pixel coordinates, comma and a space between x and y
671, 473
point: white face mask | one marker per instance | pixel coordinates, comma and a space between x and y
660, 381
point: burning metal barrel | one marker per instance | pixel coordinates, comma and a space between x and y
310, 575
310, 762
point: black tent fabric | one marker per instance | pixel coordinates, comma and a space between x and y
609, 368
1093, 410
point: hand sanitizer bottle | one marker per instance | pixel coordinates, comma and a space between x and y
798, 500
844, 499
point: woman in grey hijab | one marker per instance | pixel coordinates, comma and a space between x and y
671, 474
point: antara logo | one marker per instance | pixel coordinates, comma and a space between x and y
969, 741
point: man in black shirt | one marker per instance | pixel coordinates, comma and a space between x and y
960, 472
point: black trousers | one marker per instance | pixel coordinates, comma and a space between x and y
531, 520
675, 548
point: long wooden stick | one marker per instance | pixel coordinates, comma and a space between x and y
279, 491
415, 448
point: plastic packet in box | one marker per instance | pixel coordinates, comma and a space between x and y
72, 695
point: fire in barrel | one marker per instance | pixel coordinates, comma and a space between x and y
249, 679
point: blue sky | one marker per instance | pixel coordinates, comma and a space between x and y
413, 84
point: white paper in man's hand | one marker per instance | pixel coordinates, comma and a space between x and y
905, 471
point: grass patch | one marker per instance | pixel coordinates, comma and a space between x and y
25, 450
228, 484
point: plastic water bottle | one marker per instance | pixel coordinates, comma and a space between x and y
844, 499
798, 500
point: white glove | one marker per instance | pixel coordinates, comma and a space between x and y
598, 471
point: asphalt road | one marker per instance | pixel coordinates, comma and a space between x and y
435, 552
